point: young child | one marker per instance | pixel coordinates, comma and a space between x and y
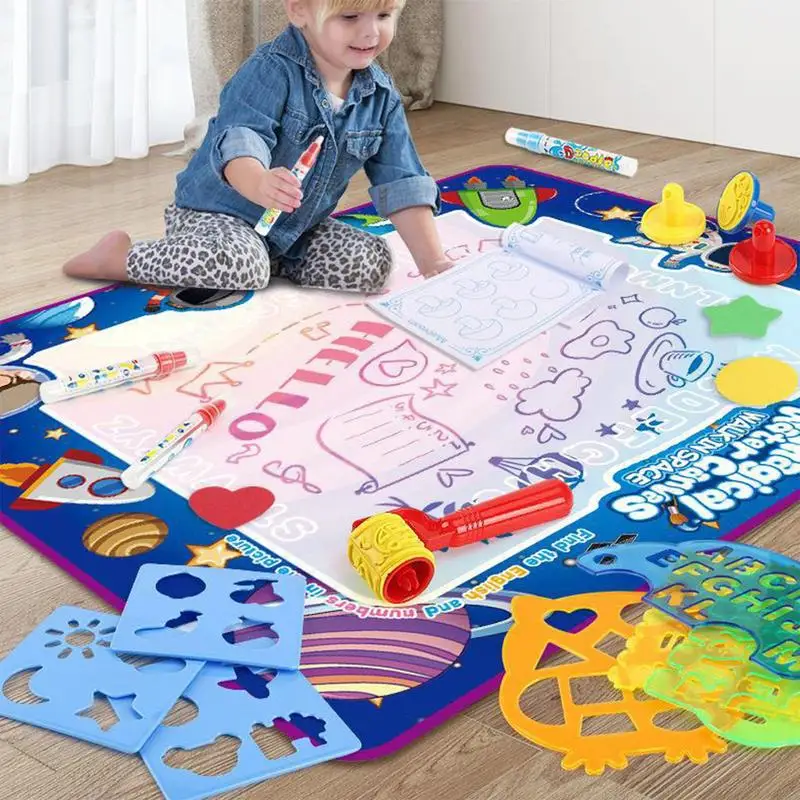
318, 77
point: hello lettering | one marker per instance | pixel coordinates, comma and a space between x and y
296, 391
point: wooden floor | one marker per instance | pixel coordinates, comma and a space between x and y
475, 756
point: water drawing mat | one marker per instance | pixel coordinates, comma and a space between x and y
341, 414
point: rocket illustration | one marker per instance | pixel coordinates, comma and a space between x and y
77, 477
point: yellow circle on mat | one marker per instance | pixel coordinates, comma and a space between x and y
757, 381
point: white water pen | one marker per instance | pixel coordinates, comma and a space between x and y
566, 150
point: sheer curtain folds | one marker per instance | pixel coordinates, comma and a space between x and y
87, 81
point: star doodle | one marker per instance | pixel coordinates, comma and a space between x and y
55, 433
78, 333
215, 555
606, 430
742, 317
632, 405
615, 212
445, 369
438, 389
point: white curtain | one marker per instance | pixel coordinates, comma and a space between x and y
87, 81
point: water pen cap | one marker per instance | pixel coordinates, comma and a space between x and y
628, 166
513, 135
50, 391
309, 158
211, 411
171, 360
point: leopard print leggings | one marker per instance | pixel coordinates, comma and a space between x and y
216, 251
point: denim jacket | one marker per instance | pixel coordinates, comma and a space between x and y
272, 109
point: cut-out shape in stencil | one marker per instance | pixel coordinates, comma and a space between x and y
710, 582
247, 633
272, 742
707, 671
530, 637
185, 622
293, 708
183, 712
242, 617
256, 684
16, 688
180, 586
102, 712
261, 592
98, 698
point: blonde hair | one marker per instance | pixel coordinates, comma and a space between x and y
329, 8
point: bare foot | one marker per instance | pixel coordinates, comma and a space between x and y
106, 261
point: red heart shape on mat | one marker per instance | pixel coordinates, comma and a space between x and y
228, 509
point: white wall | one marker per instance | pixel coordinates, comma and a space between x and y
721, 71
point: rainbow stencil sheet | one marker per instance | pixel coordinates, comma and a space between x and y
341, 413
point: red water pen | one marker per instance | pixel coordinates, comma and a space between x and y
175, 442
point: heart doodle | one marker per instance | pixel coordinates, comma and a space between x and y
447, 476
228, 509
401, 364
394, 369
548, 434
249, 450
528, 431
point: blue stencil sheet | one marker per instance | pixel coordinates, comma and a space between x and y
236, 701
72, 668
709, 582
226, 615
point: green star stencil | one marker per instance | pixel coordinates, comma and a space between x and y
742, 317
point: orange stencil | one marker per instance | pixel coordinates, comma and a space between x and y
523, 648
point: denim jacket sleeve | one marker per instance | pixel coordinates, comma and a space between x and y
250, 109
396, 173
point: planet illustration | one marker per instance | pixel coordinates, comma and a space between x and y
125, 535
19, 389
348, 658
60, 315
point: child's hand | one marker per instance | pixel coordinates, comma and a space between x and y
278, 188
437, 268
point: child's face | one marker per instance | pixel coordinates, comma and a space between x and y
352, 40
